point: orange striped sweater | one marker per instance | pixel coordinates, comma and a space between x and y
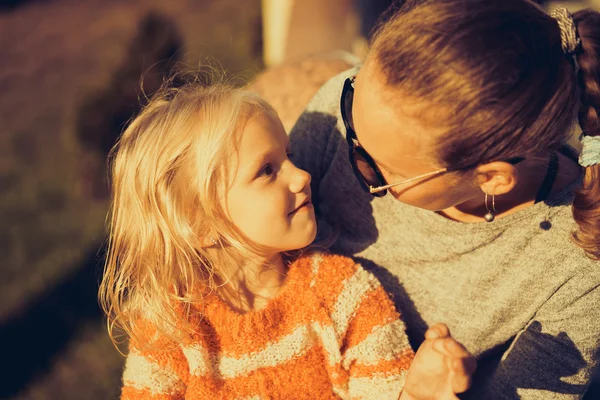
331, 332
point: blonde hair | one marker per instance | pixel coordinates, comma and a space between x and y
170, 171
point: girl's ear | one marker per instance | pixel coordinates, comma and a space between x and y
497, 177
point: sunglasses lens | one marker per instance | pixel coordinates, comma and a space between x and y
363, 165
366, 169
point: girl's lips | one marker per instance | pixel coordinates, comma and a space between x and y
304, 206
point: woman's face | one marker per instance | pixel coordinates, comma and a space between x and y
403, 144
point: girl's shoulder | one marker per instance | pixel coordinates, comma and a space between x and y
153, 330
332, 274
322, 262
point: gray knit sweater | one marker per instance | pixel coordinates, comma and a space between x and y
516, 292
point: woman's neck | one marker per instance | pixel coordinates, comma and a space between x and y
253, 284
531, 176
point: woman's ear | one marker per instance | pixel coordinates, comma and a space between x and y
496, 178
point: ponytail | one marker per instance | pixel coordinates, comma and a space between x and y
586, 205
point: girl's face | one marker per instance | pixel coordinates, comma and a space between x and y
269, 200
403, 145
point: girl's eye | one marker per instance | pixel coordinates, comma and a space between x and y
266, 171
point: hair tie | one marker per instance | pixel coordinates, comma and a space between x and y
590, 153
569, 38
571, 45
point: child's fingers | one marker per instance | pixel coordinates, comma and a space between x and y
450, 348
461, 383
464, 366
437, 331
470, 364
462, 371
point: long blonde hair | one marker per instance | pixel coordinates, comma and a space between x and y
170, 171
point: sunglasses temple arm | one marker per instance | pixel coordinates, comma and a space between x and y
381, 188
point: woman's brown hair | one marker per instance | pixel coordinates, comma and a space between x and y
498, 72
586, 206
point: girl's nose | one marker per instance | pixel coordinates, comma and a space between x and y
300, 179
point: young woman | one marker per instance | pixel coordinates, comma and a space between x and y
461, 114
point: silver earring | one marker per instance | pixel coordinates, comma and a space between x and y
214, 241
491, 214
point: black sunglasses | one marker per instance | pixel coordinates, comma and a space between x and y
365, 168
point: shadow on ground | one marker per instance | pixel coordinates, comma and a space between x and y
151, 56
49, 322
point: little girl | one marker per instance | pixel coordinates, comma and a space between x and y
205, 275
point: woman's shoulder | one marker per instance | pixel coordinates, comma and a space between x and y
327, 98
554, 240
326, 102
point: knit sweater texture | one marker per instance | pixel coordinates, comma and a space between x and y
330, 332
517, 292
